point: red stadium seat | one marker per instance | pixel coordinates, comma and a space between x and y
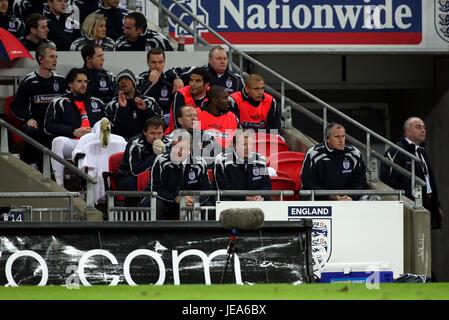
283, 183
10, 118
210, 175
143, 179
289, 163
114, 164
267, 144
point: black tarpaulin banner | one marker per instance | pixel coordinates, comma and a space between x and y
84, 253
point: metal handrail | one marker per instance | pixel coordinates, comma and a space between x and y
416, 182
314, 193
47, 154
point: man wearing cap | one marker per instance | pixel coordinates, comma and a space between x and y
128, 111
70, 117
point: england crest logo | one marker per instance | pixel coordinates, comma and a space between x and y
256, 171
56, 86
442, 19
321, 242
229, 83
102, 83
191, 175
164, 92
346, 164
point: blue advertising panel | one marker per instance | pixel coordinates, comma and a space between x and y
306, 22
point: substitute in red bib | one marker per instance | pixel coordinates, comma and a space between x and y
255, 108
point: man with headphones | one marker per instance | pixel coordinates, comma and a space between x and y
35, 92
334, 165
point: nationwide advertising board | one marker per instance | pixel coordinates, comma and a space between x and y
83, 254
304, 25
344, 232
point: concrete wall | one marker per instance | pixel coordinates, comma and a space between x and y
17, 176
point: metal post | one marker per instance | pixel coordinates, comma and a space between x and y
71, 208
182, 211
241, 64
153, 207
312, 197
368, 154
282, 95
4, 148
110, 205
195, 33
46, 171
90, 202
324, 122
230, 59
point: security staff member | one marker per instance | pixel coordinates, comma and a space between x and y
175, 170
334, 165
101, 82
255, 108
242, 169
140, 153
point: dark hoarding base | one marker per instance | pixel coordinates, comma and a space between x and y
171, 252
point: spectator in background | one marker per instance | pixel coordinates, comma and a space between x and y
128, 111
155, 82
114, 17
219, 73
140, 153
10, 22
36, 31
132, 5
334, 165
64, 29
194, 95
255, 108
35, 92
86, 7
414, 142
69, 117
175, 170
94, 32
24, 8
137, 37
101, 82
241, 168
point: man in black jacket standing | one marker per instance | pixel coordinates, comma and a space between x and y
413, 142
69, 117
334, 165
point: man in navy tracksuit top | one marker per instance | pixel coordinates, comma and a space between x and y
242, 169
175, 170
69, 117
333, 165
